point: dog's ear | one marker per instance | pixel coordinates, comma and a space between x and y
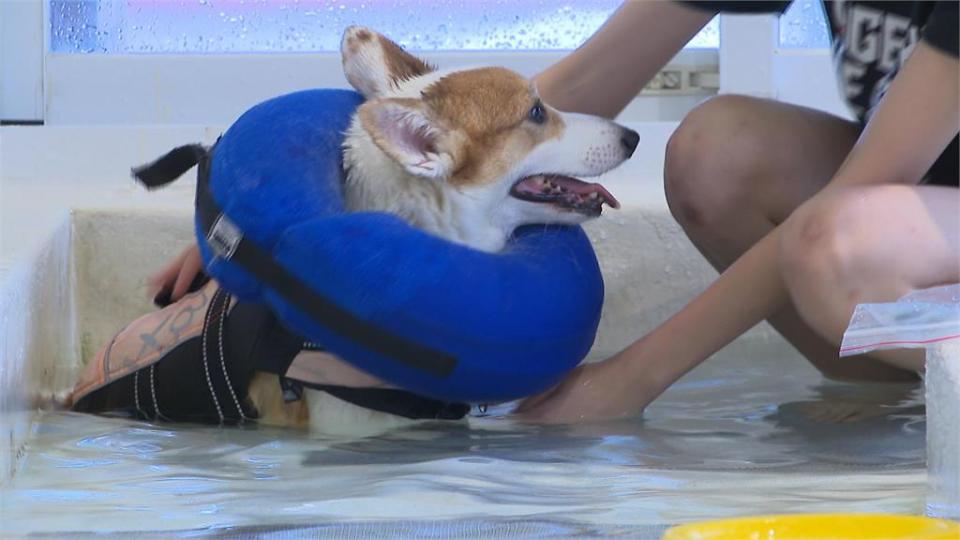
373, 64
403, 129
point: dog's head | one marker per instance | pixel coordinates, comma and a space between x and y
485, 133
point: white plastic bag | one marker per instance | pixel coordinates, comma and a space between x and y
919, 319
929, 319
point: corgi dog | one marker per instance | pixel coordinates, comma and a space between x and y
470, 154
466, 154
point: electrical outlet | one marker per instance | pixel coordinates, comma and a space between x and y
683, 80
671, 80
705, 80
656, 83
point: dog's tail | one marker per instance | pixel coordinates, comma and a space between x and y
171, 166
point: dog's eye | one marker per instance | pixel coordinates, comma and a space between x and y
538, 114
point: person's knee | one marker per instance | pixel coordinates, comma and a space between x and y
828, 258
823, 247
710, 161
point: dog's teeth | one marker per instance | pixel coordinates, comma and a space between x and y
594, 195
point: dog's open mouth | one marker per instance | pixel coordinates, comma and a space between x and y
564, 192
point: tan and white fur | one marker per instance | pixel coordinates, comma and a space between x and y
468, 155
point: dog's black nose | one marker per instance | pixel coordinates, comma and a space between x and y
630, 139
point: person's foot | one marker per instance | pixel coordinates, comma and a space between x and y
842, 412
844, 404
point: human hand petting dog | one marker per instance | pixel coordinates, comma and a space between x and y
174, 281
596, 391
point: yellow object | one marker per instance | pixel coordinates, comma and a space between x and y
819, 527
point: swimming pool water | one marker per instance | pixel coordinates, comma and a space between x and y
737, 436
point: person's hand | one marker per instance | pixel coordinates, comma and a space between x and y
599, 391
175, 280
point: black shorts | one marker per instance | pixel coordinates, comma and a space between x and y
946, 170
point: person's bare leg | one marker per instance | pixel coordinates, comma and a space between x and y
869, 244
736, 168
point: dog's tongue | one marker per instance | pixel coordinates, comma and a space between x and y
564, 191
584, 189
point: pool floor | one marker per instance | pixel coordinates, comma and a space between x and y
737, 436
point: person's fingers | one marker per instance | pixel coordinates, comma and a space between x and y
174, 280
535, 401
189, 268
552, 405
525, 413
546, 408
545, 412
527, 404
166, 277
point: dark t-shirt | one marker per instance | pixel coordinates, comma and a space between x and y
870, 41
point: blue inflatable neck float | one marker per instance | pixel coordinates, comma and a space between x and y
433, 317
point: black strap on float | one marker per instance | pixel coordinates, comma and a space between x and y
386, 400
228, 242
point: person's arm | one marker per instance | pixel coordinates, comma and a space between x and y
610, 69
912, 126
916, 120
